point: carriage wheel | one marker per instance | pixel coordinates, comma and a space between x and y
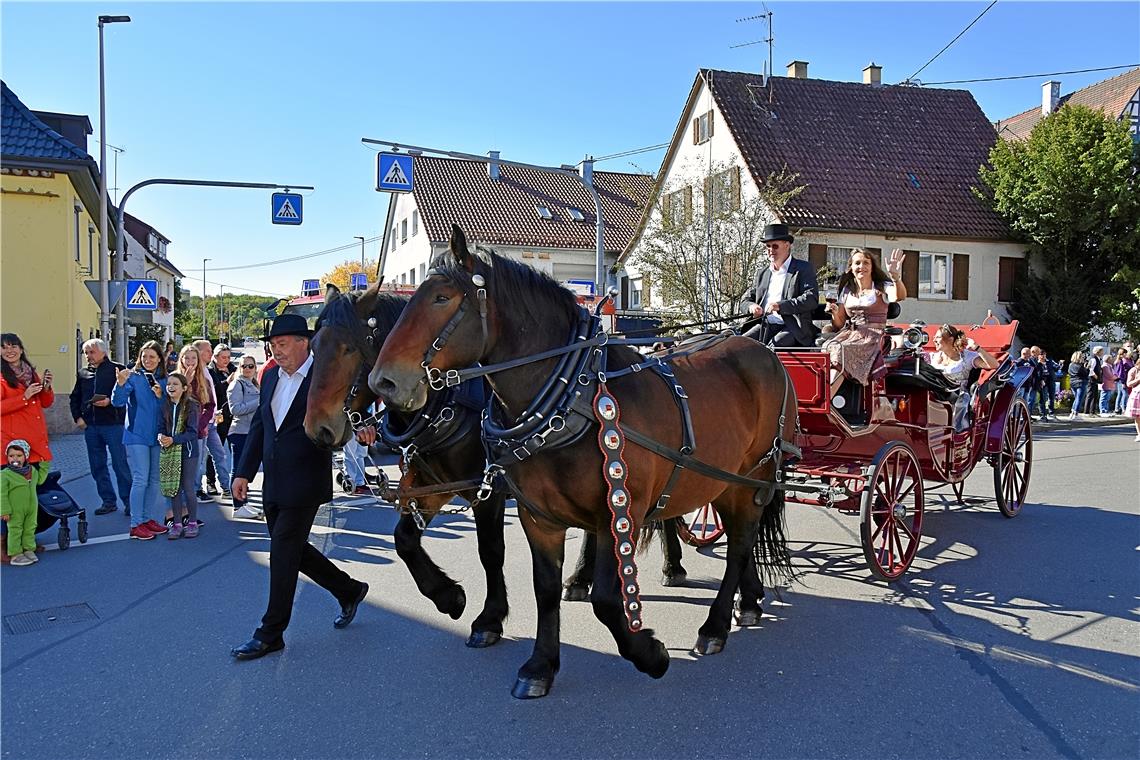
63, 538
891, 511
1015, 460
701, 527
82, 532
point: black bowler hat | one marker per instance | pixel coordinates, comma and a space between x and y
775, 232
289, 324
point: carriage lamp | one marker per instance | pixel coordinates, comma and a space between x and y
914, 337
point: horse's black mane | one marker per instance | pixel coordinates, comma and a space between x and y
340, 311
511, 282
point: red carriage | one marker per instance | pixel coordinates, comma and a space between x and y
875, 456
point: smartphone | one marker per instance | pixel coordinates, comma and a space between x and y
150, 378
98, 397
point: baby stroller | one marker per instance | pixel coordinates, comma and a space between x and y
56, 504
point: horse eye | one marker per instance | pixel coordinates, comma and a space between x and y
441, 299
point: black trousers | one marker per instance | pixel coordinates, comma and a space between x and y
772, 334
291, 553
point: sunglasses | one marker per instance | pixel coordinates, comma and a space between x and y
249, 366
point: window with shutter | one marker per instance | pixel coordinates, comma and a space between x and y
703, 128
934, 275
961, 271
1010, 271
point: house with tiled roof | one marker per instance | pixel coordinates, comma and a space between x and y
1117, 97
882, 167
543, 219
49, 239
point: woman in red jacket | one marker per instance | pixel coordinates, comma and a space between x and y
23, 397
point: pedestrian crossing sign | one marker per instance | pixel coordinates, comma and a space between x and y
142, 294
394, 172
287, 208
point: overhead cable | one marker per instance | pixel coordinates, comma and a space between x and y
951, 42
315, 254
1033, 76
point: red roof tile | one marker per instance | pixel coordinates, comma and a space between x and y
1109, 96
885, 159
502, 211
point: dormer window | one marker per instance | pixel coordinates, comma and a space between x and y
543, 211
576, 214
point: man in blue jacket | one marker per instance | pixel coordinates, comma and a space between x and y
102, 425
297, 480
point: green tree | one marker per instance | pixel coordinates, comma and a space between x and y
1070, 194
716, 241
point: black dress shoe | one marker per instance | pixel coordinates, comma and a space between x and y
348, 611
106, 509
255, 648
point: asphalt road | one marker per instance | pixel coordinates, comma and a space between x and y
1008, 638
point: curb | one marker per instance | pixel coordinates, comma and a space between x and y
1091, 422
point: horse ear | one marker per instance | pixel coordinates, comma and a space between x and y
330, 291
459, 250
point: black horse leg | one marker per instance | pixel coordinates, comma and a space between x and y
748, 609
547, 549
713, 635
672, 572
487, 628
641, 648
432, 582
577, 586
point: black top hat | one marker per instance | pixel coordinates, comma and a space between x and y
289, 324
776, 232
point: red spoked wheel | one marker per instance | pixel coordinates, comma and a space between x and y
891, 511
701, 527
1013, 463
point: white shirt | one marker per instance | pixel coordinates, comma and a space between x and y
776, 290
956, 371
286, 390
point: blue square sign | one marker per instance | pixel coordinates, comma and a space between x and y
142, 294
394, 172
287, 208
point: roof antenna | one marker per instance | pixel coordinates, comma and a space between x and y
770, 39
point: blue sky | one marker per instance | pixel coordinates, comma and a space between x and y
283, 92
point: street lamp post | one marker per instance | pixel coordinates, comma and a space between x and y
361, 239
205, 332
104, 249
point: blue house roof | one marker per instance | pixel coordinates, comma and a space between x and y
23, 135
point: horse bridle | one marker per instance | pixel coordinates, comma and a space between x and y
356, 420
433, 376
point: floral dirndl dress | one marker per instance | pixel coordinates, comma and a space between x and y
854, 349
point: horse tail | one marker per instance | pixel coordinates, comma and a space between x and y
648, 532
773, 559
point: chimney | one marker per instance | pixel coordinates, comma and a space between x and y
798, 69
493, 165
873, 75
586, 170
1050, 94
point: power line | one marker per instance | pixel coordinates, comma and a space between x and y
302, 257
951, 42
1033, 76
633, 152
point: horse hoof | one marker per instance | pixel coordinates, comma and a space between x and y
748, 618
452, 603
709, 645
677, 579
576, 593
483, 639
658, 668
531, 688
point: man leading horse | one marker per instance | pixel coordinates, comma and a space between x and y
783, 295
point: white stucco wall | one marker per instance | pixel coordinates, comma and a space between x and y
409, 255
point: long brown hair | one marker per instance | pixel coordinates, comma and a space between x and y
9, 374
184, 406
197, 386
153, 345
879, 278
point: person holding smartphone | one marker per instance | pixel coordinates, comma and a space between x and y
102, 425
141, 391
24, 394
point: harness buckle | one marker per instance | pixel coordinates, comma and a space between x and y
434, 378
601, 377
417, 516
583, 379
636, 367
486, 487
521, 453
451, 378
680, 392
557, 423
435, 346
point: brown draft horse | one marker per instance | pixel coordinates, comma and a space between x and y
349, 332
344, 347
483, 308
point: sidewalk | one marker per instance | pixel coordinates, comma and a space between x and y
1064, 423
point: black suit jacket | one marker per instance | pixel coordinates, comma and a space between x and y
800, 297
87, 384
297, 472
